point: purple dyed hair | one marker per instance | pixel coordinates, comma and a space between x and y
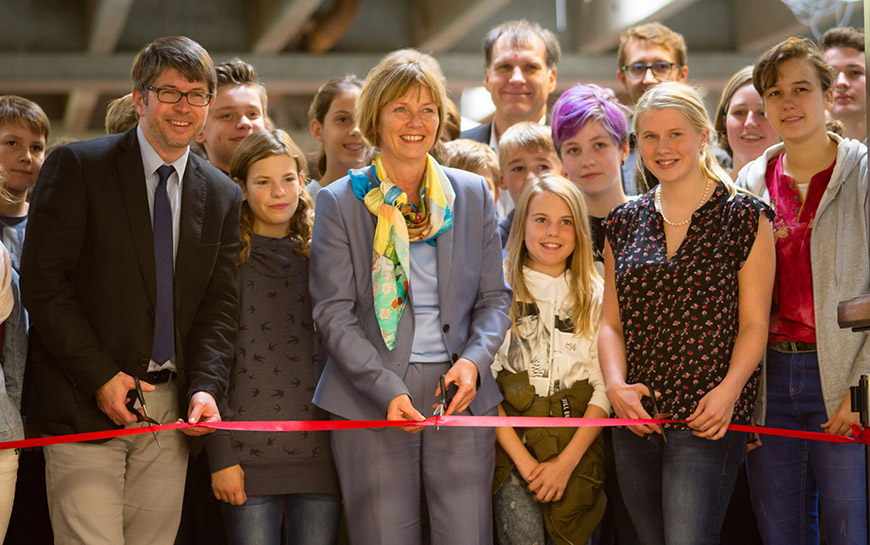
583, 103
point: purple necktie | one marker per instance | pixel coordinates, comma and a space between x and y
163, 346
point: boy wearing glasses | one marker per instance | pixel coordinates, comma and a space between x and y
647, 54
129, 272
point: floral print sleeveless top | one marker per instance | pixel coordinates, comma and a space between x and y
680, 315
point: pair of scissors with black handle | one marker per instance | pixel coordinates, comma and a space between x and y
655, 413
142, 415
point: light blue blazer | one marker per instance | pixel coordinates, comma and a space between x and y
361, 376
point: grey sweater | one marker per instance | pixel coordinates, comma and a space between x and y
840, 266
273, 378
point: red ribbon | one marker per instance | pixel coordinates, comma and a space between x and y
861, 435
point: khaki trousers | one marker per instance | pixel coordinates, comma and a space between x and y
8, 476
126, 491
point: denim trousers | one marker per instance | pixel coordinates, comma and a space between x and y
793, 479
308, 519
518, 517
677, 492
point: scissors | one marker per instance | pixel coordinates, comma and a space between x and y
142, 416
655, 409
442, 405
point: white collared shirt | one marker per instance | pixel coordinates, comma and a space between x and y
151, 161
493, 141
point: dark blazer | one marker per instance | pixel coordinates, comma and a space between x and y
480, 133
504, 227
361, 376
88, 280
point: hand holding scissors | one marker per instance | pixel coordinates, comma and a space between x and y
142, 413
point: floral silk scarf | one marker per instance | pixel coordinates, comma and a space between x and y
399, 224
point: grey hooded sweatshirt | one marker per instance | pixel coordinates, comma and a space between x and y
840, 263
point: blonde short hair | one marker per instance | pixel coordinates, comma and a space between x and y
121, 115
657, 34
526, 135
472, 156
392, 79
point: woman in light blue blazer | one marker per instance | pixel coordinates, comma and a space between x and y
407, 285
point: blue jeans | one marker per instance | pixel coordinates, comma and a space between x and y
677, 492
518, 516
791, 479
309, 519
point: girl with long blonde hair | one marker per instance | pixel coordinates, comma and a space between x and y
549, 481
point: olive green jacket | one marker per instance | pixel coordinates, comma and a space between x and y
572, 519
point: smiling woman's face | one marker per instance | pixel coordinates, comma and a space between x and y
407, 127
749, 131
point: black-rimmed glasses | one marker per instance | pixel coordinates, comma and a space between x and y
172, 96
660, 69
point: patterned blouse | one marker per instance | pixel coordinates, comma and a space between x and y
679, 316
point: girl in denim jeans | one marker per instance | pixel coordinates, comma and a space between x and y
272, 479
688, 274
816, 182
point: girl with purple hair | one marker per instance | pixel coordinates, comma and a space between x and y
590, 132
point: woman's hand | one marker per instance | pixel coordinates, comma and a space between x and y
463, 374
228, 485
625, 399
401, 408
841, 421
549, 479
712, 416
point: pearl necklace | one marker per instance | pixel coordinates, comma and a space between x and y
661, 210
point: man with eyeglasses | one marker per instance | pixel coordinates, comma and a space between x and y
647, 54
129, 274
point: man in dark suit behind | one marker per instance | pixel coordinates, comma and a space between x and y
520, 59
129, 271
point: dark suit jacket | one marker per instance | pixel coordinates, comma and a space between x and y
362, 376
88, 280
480, 133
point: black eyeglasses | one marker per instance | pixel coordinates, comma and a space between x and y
660, 69
172, 96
